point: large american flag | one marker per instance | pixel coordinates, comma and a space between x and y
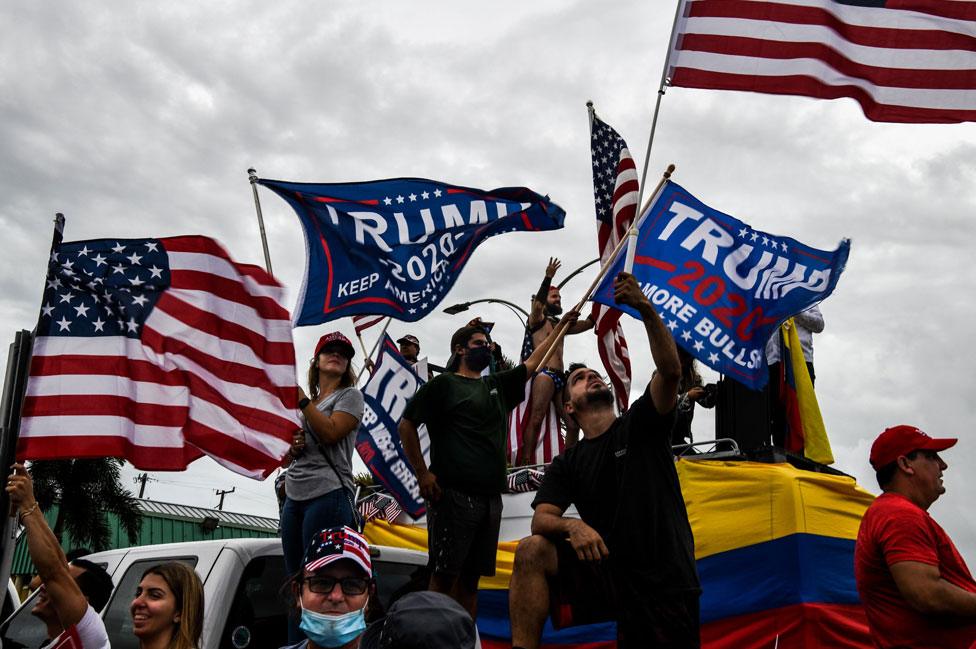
615, 194
901, 60
160, 351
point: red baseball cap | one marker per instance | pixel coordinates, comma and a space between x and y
335, 339
902, 440
335, 543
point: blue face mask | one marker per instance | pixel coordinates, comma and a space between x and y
333, 630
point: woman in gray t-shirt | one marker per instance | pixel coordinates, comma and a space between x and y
319, 482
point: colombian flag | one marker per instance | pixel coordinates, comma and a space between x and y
775, 553
806, 433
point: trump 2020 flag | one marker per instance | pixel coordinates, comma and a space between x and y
395, 247
160, 351
386, 394
721, 286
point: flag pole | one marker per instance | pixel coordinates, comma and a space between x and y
603, 271
252, 175
11, 406
368, 360
657, 103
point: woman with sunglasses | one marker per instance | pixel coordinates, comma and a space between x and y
319, 482
330, 592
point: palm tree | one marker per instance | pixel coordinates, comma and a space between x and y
86, 491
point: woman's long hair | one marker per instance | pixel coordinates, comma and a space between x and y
347, 379
188, 591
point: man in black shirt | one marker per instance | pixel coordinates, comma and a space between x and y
630, 556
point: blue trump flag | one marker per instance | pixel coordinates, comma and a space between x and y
721, 286
386, 393
396, 247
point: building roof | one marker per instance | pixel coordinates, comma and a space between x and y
196, 514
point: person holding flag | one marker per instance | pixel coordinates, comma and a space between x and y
630, 556
547, 385
319, 482
466, 417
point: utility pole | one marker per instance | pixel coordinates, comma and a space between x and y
222, 493
142, 478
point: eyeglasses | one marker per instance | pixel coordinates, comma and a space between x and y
325, 585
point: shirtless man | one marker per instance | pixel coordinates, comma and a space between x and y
547, 385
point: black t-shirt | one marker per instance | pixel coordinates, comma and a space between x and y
467, 420
625, 486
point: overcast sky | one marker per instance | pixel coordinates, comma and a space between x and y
141, 119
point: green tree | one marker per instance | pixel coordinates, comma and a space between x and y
86, 491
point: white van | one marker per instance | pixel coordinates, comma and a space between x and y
242, 582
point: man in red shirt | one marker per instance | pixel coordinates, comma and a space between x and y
915, 587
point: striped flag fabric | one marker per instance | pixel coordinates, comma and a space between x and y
549, 443
901, 60
160, 351
615, 196
364, 322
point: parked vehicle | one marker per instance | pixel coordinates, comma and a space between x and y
242, 580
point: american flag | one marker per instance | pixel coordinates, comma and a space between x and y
160, 351
901, 61
368, 510
615, 194
549, 443
364, 322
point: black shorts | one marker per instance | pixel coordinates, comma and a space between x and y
462, 533
584, 592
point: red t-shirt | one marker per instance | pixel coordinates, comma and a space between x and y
894, 529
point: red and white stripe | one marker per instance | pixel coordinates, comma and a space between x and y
609, 332
550, 442
212, 373
364, 322
909, 61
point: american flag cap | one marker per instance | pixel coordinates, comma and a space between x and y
336, 543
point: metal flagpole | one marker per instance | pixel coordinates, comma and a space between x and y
252, 175
603, 271
14, 389
657, 103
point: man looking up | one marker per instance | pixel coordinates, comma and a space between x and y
630, 557
466, 417
70, 593
547, 385
915, 586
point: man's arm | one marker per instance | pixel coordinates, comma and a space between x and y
927, 592
663, 387
410, 440
45, 551
580, 326
548, 520
537, 313
811, 319
535, 359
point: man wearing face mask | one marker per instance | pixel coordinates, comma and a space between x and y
466, 417
332, 589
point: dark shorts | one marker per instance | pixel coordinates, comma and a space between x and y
583, 592
462, 532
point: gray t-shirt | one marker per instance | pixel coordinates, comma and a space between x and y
310, 476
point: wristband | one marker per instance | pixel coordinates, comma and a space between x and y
543, 294
302, 403
30, 511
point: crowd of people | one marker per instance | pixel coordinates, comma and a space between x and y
628, 557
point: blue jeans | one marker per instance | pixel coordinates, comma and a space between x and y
300, 520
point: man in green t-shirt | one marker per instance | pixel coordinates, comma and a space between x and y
466, 416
